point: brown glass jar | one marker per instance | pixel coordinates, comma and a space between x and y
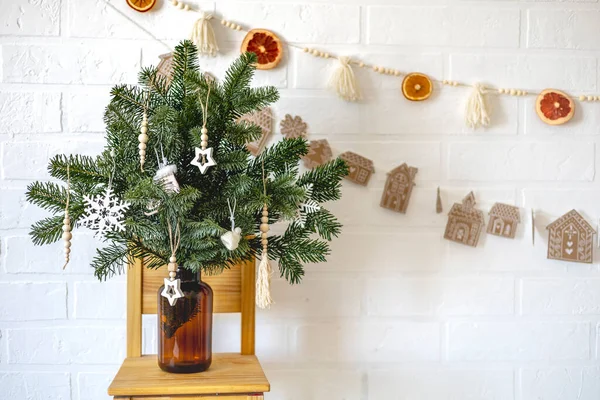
185, 329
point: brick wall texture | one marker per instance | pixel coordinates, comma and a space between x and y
397, 313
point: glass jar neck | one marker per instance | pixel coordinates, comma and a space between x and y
187, 276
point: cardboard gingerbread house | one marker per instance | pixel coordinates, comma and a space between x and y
465, 222
264, 120
503, 221
398, 188
571, 238
165, 66
360, 168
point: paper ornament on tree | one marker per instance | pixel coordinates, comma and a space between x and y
504, 220
465, 222
319, 153
264, 120
398, 188
165, 66
104, 213
571, 238
360, 168
293, 127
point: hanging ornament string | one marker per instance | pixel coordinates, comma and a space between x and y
204, 156
263, 280
172, 290
67, 235
231, 239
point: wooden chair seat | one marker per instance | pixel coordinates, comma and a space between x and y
230, 373
231, 376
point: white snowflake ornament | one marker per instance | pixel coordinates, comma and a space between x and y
104, 213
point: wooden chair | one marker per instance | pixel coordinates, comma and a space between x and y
232, 376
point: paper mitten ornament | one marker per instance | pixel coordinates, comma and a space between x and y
166, 175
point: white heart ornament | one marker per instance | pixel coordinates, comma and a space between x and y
231, 239
569, 244
569, 251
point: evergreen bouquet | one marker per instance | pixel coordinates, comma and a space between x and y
145, 188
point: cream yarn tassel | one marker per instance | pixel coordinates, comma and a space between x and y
476, 112
203, 35
263, 280
344, 81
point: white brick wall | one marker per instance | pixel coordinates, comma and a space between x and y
398, 312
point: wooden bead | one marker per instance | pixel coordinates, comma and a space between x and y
67, 252
223, 22
326, 55
186, 7
174, 2
181, 6
67, 235
238, 28
397, 73
67, 245
143, 138
142, 146
66, 228
264, 220
590, 98
264, 227
524, 93
263, 235
173, 259
264, 242
142, 153
144, 129
306, 49
361, 64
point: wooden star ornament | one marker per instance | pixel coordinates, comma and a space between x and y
203, 159
172, 290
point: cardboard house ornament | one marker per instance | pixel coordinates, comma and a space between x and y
165, 66
503, 221
398, 188
319, 153
465, 222
571, 238
263, 119
360, 168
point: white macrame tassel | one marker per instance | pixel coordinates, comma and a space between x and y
344, 81
203, 35
263, 280
476, 112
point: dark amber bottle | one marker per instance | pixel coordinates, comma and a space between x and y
185, 329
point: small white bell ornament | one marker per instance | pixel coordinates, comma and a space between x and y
231, 239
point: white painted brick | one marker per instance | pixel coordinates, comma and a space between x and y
586, 121
440, 384
85, 110
443, 26
552, 203
94, 385
563, 29
66, 345
38, 112
96, 19
15, 211
36, 18
71, 64
35, 385
560, 296
48, 301
394, 115
314, 23
558, 383
29, 160
100, 300
315, 298
391, 297
321, 384
23, 257
369, 341
518, 341
502, 161
525, 71
369, 251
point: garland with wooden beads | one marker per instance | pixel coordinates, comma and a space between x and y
143, 139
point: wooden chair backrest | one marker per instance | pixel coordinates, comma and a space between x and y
234, 292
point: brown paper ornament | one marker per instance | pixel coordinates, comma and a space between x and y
319, 153
438, 202
503, 221
293, 127
263, 119
398, 188
360, 168
465, 222
571, 238
165, 66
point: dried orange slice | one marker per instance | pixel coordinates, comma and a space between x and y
417, 87
141, 5
265, 45
554, 107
